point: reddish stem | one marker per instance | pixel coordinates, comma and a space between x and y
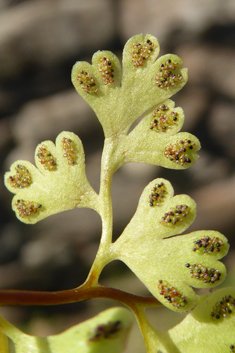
21, 297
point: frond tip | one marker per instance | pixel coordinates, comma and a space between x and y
118, 95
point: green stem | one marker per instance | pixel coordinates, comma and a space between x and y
4, 345
104, 255
106, 177
9, 330
152, 338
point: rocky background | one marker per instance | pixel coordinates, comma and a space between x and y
40, 40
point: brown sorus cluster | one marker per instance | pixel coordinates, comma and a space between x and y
167, 75
206, 274
106, 68
175, 215
105, 331
141, 52
223, 307
46, 159
162, 119
21, 179
178, 152
171, 294
69, 150
208, 245
157, 195
26, 208
87, 81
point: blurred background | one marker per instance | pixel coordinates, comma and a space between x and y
40, 40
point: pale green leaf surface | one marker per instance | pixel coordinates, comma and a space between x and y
200, 332
148, 142
56, 185
165, 110
107, 332
149, 247
173, 152
119, 103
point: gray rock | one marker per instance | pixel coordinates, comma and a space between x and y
164, 16
222, 126
45, 118
211, 66
44, 32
